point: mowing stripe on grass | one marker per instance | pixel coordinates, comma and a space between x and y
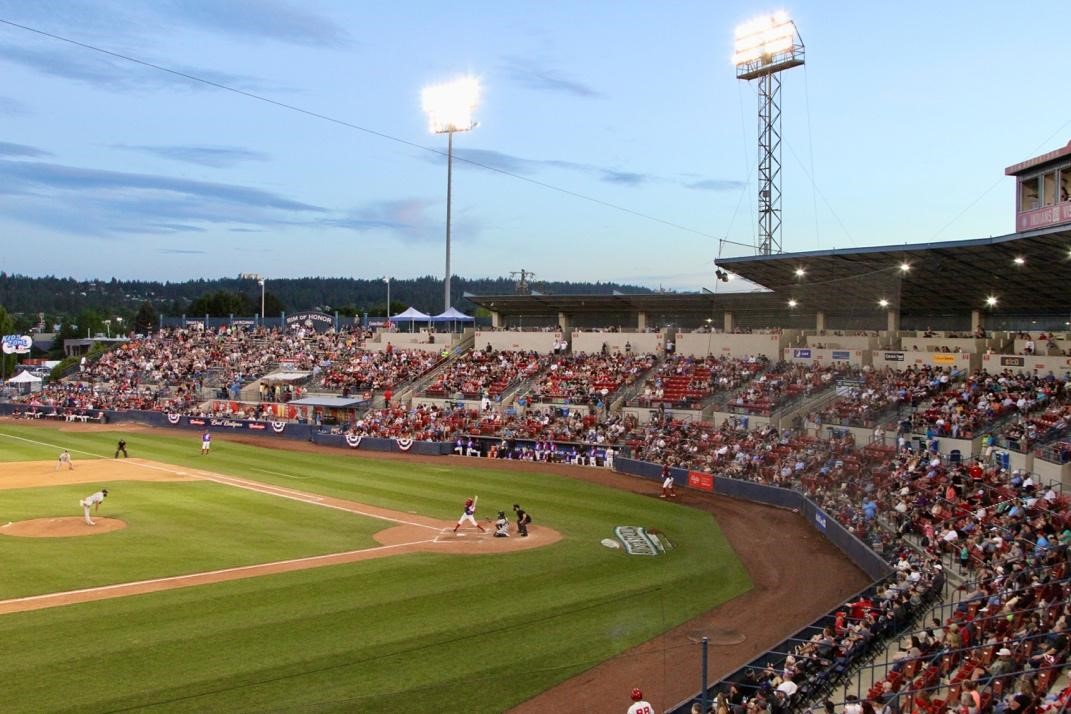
101, 592
280, 491
280, 473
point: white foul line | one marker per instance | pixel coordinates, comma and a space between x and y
237, 482
205, 574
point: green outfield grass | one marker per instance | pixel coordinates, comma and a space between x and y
418, 632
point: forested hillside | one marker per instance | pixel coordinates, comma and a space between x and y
67, 296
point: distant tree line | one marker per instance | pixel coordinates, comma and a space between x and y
87, 304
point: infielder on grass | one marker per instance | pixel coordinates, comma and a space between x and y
469, 515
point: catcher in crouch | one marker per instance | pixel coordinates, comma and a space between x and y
469, 515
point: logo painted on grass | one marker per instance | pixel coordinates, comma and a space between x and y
638, 541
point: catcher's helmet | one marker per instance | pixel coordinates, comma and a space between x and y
468, 501
501, 514
104, 491
637, 695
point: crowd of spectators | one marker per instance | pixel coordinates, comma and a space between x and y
783, 383
983, 398
582, 378
881, 393
352, 368
684, 381
482, 373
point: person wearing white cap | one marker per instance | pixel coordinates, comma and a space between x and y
1003, 665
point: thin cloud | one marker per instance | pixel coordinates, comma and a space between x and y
216, 157
266, 19
56, 176
532, 75
114, 74
528, 167
108, 203
716, 185
180, 251
625, 178
408, 219
8, 149
12, 107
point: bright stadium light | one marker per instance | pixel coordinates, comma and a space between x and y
1019, 260
991, 301
762, 49
792, 303
905, 267
450, 107
800, 272
883, 302
764, 39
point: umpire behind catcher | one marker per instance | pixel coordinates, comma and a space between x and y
523, 519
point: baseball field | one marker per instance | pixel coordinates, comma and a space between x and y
264, 579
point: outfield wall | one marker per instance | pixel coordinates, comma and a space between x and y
858, 552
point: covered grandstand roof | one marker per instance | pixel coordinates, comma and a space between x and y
1025, 272
699, 303
947, 277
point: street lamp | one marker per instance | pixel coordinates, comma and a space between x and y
260, 281
449, 108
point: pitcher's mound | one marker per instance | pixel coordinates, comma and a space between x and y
61, 527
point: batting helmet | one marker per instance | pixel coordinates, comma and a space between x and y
104, 491
637, 695
468, 501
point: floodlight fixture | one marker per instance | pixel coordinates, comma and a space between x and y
765, 45
792, 303
991, 301
883, 302
1019, 260
450, 107
905, 267
763, 48
800, 272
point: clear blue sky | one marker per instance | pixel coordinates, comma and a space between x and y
906, 115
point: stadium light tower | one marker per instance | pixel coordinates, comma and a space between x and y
449, 108
763, 48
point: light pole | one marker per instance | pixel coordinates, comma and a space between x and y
108, 326
449, 108
387, 281
260, 281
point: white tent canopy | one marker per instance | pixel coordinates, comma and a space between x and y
452, 315
411, 315
24, 378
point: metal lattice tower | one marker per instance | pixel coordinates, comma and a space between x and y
764, 48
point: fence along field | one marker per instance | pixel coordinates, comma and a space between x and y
454, 631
